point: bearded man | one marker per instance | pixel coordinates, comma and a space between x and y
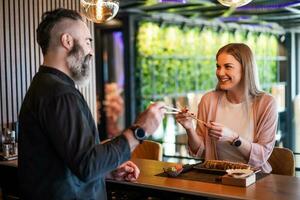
60, 155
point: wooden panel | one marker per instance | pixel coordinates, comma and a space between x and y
22, 50
7, 59
20, 55
27, 42
2, 72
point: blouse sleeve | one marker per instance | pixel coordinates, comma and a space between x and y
200, 128
264, 140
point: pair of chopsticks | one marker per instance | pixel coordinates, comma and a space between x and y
175, 111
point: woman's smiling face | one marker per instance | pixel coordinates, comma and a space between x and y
229, 72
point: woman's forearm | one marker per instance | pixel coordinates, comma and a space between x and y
194, 141
245, 148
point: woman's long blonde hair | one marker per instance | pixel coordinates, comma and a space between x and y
243, 54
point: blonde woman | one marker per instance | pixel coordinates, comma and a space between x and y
241, 119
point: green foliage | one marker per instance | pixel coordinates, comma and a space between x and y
173, 60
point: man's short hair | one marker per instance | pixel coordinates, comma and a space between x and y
49, 19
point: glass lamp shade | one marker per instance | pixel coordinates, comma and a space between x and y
99, 11
234, 3
172, 1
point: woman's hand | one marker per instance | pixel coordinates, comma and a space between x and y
221, 133
127, 171
184, 119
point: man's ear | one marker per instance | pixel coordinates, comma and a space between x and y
67, 41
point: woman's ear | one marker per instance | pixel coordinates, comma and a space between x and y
67, 41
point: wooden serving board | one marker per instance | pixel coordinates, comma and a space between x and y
241, 182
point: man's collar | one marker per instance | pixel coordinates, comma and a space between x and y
60, 74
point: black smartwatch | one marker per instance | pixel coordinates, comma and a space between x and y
139, 133
236, 142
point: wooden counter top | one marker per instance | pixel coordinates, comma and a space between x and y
10, 163
270, 187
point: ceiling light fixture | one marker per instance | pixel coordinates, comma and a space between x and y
234, 3
172, 1
99, 11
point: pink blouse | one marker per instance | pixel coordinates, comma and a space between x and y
265, 126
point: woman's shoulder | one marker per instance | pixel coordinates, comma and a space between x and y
213, 94
265, 98
264, 101
211, 97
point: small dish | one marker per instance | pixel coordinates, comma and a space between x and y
239, 173
179, 169
173, 171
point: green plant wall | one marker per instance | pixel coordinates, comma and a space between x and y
174, 60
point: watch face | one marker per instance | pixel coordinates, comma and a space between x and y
140, 133
237, 143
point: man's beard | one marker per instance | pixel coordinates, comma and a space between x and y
79, 65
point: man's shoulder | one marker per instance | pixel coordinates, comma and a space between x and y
49, 84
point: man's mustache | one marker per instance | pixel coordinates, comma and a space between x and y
87, 58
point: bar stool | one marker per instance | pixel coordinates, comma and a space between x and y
282, 161
148, 150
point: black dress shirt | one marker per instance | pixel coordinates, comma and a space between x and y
59, 152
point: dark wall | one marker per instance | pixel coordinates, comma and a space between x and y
20, 55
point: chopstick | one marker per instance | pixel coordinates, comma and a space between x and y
171, 112
171, 108
199, 120
177, 111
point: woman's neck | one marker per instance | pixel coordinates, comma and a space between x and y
235, 97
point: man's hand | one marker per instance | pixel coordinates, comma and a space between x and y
150, 119
127, 171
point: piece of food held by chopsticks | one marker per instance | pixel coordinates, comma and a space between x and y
175, 111
223, 165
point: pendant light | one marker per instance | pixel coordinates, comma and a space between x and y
99, 11
234, 3
172, 1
